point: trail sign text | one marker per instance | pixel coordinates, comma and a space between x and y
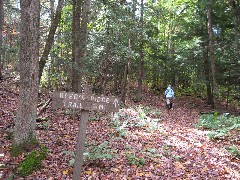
85, 101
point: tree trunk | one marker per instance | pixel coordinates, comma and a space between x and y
80, 45
125, 90
211, 53
50, 38
207, 78
1, 28
49, 75
106, 63
76, 10
25, 121
83, 36
140, 62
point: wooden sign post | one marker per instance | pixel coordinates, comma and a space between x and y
86, 102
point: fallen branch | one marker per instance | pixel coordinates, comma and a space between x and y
39, 120
206, 112
40, 104
44, 107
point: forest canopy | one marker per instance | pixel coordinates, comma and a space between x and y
134, 43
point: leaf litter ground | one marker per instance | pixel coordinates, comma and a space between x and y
168, 146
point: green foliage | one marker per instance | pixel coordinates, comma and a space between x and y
134, 160
139, 118
101, 151
177, 158
152, 154
43, 125
145, 120
120, 127
24, 147
166, 150
11, 177
93, 152
219, 125
72, 156
233, 150
31, 162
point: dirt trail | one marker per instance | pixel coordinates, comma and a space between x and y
204, 158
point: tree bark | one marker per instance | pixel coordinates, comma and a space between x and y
211, 53
25, 121
207, 78
80, 42
236, 20
125, 90
76, 32
106, 62
50, 38
140, 62
1, 28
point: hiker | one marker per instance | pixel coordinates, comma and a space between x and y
169, 95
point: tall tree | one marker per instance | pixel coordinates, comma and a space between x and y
80, 11
140, 61
76, 11
1, 28
235, 4
50, 38
211, 52
125, 92
25, 121
106, 60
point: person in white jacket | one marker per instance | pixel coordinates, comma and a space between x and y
169, 95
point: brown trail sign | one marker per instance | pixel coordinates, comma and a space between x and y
86, 102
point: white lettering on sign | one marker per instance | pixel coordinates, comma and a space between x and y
101, 107
94, 106
115, 102
83, 97
75, 96
85, 101
73, 105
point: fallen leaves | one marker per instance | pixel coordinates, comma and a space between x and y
173, 149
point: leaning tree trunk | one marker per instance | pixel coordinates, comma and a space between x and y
1, 28
25, 121
50, 38
211, 53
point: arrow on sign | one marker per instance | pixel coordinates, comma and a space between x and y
115, 102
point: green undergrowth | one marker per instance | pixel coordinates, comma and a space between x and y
32, 162
101, 151
233, 150
138, 117
93, 152
135, 160
24, 147
219, 125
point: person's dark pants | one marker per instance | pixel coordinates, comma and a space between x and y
169, 103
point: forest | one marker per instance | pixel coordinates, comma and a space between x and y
82, 89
